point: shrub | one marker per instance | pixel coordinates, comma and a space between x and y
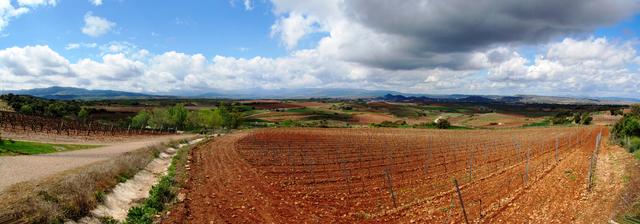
586, 119
443, 123
627, 126
635, 110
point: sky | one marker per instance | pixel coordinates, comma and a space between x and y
504, 47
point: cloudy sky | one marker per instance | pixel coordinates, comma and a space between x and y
545, 47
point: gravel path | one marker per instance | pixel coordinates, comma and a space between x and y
16, 169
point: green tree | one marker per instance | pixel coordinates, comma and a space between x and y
141, 119
627, 126
178, 115
26, 109
83, 115
159, 118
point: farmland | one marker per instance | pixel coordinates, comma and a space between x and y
388, 175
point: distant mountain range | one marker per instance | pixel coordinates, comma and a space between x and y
70, 93
304, 93
525, 99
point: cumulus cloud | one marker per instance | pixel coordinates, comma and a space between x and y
578, 66
34, 61
417, 46
292, 28
428, 34
559, 70
8, 12
114, 67
96, 26
96, 2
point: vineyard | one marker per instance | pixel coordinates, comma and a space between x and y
381, 175
11, 121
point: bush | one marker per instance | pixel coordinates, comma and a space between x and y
443, 123
635, 110
561, 118
627, 126
140, 214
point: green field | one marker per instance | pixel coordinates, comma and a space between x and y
10, 148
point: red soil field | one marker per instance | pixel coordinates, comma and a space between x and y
391, 176
368, 118
310, 104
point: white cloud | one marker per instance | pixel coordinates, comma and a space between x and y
573, 66
418, 34
248, 5
96, 26
32, 3
96, 2
8, 12
113, 68
292, 28
34, 61
73, 46
600, 70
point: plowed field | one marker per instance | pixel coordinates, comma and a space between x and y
534, 175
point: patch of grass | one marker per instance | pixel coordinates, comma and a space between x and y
31, 148
123, 177
304, 110
108, 220
636, 154
633, 145
569, 174
100, 195
543, 123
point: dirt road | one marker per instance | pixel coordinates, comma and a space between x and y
16, 169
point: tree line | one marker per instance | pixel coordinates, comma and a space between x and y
180, 118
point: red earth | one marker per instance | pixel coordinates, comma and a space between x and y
533, 175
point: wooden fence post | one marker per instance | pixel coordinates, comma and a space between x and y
592, 164
464, 212
387, 176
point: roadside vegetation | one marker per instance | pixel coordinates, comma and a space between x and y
163, 193
11, 147
71, 194
626, 133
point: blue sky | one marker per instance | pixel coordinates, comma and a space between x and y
207, 27
585, 47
